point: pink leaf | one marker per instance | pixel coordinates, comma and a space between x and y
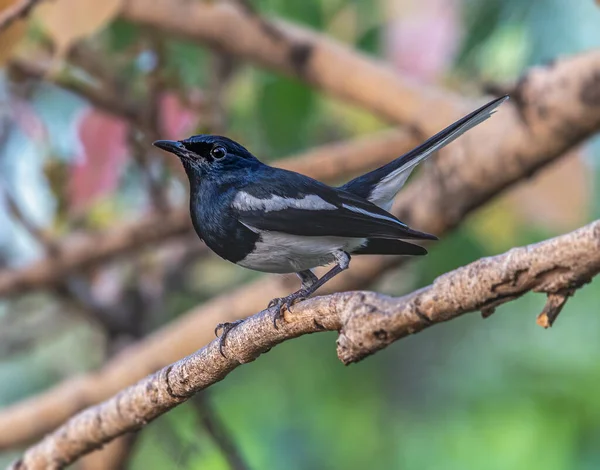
25, 116
176, 120
423, 37
103, 150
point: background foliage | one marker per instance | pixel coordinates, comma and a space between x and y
471, 394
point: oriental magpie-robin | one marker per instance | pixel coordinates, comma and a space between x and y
278, 221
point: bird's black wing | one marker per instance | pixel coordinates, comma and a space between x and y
283, 201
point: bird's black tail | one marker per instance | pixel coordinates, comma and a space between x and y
380, 186
380, 246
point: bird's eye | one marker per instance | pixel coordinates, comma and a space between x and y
218, 152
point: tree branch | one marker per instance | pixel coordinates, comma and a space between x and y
14, 12
366, 321
218, 432
83, 251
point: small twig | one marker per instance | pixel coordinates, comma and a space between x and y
553, 307
269, 28
219, 433
15, 12
50, 246
97, 66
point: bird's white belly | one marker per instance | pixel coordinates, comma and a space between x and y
277, 252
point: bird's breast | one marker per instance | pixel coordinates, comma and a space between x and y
277, 252
216, 224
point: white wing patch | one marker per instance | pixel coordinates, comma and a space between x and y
246, 202
371, 214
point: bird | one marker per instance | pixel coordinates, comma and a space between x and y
278, 221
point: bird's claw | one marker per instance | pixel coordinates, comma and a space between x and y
225, 328
285, 303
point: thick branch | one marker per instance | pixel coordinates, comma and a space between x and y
366, 321
82, 251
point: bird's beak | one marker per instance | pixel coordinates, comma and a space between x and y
172, 146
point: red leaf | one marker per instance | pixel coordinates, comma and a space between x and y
423, 37
25, 116
103, 150
176, 120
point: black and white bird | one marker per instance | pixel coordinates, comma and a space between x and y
278, 221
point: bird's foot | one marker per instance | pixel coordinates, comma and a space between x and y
285, 303
225, 328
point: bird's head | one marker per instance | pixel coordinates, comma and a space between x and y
202, 154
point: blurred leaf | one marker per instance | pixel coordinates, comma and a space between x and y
103, 150
121, 35
370, 41
558, 198
176, 120
26, 117
496, 226
504, 55
68, 21
284, 112
422, 39
188, 61
57, 175
451, 252
481, 20
11, 36
308, 13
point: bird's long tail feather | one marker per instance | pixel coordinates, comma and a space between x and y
380, 186
379, 246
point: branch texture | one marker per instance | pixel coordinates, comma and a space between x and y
366, 321
461, 179
14, 12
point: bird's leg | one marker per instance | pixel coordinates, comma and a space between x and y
225, 328
308, 278
310, 286
343, 262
